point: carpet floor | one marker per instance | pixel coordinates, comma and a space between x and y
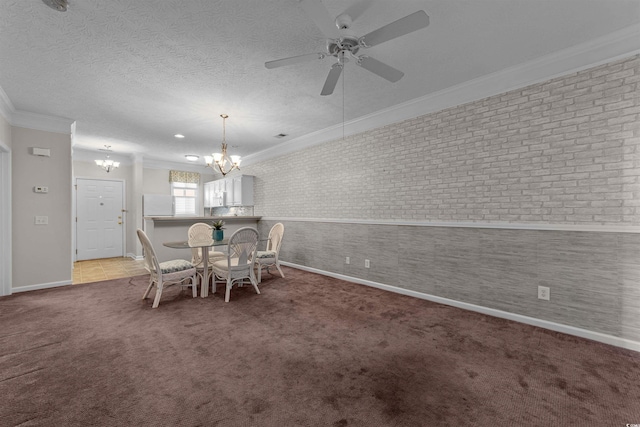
309, 351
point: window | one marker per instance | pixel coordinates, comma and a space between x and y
185, 196
184, 189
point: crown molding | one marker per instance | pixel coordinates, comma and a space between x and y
84, 155
614, 46
617, 45
26, 119
81, 155
162, 164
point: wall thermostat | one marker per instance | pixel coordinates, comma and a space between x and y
44, 152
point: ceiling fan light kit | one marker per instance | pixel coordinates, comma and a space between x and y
219, 162
341, 42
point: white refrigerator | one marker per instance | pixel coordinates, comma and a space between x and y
157, 205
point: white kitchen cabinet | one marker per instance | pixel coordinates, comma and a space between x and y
242, 190
220, 185
235, 191
214, 193
208, 192
217, 195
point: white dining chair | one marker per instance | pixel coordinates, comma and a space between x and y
164, 274
237, 266
270, 257
201, 232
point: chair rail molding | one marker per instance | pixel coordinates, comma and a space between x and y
452, 224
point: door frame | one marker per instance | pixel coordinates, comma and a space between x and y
75, 212
5, 220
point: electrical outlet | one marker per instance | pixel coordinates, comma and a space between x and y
367, 264
40, 189
42, 220
347, 260
544, 293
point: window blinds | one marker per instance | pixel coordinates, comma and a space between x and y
184, 189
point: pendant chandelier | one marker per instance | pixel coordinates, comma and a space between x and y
107, 164
219, 162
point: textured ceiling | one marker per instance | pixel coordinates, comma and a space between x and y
134, 73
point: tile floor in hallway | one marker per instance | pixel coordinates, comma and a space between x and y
96, 270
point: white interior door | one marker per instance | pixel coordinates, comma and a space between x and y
99, 219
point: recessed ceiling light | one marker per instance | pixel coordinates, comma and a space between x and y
192, 157
178, 135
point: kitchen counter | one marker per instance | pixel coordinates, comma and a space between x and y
162, 229
206, 219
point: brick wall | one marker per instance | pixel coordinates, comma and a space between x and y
566, 151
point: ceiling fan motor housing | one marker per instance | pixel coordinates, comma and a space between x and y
343, 44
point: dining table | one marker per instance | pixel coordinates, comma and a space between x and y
184, 244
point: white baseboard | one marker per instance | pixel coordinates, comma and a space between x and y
135, 257
558, 327
40, 286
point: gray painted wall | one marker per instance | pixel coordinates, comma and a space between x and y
563, 152
41, 253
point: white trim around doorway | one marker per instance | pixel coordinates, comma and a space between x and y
75, 224
5, 219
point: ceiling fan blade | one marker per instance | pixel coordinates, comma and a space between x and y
293, 60
380, 68
402, 26
320, 16
332, 79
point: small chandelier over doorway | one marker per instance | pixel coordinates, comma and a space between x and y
107, 164
219, 162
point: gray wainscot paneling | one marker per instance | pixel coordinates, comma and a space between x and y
594, 277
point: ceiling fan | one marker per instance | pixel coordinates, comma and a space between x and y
341, 41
